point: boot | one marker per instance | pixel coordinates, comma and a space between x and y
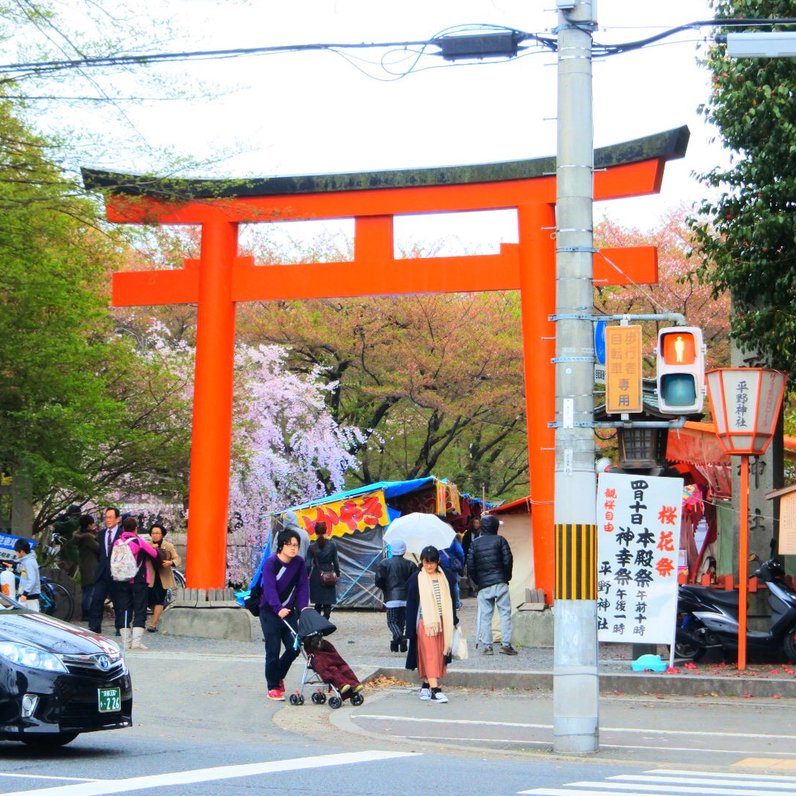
124, 632
403, 645
138, 634
394, 645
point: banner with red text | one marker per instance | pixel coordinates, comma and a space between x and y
346, 516
638, 537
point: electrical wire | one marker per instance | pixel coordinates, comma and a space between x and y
545, 42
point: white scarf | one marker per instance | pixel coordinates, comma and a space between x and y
435, 621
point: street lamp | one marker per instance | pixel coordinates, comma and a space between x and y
773, 44
745, 404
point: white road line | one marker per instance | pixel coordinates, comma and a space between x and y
581, 792
762, 778
644, 730
696, 778
689, 790
211, 774
651, 782
42, 776
466, 739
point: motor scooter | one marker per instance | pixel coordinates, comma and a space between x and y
708, 618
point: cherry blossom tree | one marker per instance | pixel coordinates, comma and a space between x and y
287, 449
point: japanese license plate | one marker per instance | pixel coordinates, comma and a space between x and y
110, 700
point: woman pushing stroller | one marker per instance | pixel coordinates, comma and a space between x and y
285, 595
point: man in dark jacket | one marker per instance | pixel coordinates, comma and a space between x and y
391, 577
103, 582
489, 564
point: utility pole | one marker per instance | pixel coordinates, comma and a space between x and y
575, 679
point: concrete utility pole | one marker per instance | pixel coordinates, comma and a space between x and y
575, 681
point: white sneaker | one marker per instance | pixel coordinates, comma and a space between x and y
425, 694
438, 696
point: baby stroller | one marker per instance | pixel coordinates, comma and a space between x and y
323, 664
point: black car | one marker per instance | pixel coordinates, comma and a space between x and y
58, 680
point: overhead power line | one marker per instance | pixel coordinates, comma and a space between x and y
461, 42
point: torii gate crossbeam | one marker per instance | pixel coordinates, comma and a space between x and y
221, 278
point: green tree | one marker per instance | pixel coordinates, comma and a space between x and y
82, 412
434, 382
746, 235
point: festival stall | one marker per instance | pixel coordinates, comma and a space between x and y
357, 519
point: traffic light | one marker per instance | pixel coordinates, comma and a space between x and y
680, 370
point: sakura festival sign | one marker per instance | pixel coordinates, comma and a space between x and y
638, 521
346, 516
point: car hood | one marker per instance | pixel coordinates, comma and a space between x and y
53, 635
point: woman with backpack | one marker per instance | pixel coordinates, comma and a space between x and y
324, 567
130, 574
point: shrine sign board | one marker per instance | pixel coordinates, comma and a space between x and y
638, 536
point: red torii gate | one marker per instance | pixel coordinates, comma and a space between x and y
221, 278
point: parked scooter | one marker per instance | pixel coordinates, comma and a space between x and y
708, 618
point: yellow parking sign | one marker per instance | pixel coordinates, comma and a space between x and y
623, 393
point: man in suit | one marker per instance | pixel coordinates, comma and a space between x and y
103, 582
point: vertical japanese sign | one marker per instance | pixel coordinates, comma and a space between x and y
623, 392
638, 534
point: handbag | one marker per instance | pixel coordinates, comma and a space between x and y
327, 578
459, 650
252, 602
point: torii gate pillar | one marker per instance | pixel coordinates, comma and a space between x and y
221, 278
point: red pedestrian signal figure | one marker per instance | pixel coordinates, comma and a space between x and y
680, 370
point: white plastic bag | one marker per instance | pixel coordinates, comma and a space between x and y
459, 646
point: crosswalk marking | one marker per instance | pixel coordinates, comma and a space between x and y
163, 781
668, 782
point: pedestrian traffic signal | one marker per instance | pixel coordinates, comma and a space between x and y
680, 370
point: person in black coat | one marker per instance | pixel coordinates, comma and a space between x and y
322, 558
490, 564
391, 577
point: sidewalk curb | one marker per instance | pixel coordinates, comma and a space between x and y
611, 683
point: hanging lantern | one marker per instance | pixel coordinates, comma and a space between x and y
745, 404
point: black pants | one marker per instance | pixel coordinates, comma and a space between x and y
396, 621
129, 603
103, 588
276, 635
324, 609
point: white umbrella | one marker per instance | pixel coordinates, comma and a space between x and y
419, 530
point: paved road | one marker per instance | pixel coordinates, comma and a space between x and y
202, 726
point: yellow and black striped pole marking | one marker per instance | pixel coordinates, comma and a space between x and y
576, 562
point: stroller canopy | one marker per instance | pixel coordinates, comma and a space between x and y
311, 622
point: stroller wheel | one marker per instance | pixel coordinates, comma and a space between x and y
335, 702
318, 698
357, 699
296, 699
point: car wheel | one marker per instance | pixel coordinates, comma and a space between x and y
49, 741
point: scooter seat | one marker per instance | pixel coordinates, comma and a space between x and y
718, 596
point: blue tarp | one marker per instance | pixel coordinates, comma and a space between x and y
356, 587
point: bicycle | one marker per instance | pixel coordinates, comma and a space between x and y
179, 579
54, 598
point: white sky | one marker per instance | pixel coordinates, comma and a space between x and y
313, 113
